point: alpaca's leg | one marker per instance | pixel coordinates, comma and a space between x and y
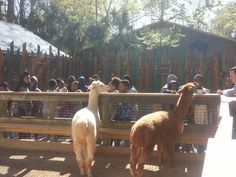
160, 154
170, 154
91, 147
78, 149
144, 154
133, 160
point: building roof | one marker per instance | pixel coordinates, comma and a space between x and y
15, 33
167, 24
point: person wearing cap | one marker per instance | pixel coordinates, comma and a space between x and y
82, 84
232, 91
200, 89
4, 87
171, 84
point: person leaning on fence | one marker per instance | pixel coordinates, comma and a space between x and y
82, 84
62, 107
131, 89
52, 87
170, 78
22, 108
232, 91
5, 106
94, 77
73, 106
70, 80
37, 105
124, 110
200, 111
113, 87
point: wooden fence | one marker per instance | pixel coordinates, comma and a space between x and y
44, 66
110, 129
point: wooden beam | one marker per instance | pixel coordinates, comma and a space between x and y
67, 147
191, 136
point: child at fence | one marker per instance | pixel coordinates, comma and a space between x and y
52, 87
62, 107
37, 105
201, 115
70, 80
113, 87
200, 111
124, 110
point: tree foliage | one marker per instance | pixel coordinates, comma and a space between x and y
74, 25
224, 23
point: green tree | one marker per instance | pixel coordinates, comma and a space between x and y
224, 23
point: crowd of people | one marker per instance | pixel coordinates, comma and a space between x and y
124, 111
118, 111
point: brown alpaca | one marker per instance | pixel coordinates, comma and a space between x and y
161, 128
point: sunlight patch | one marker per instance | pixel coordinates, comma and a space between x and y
20, 172
18, 157
42, 173
153, 168
186, 170
61, 159
4, 170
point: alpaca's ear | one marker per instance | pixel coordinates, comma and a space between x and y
181, 88
92, 85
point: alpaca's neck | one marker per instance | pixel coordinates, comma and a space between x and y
183, 105
93, 100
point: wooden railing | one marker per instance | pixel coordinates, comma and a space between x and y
110, 129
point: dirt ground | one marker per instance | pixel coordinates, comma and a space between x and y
15, 163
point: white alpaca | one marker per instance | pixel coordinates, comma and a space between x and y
85, 125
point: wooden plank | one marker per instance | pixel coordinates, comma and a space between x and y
35, 145
194, 137
41, 129
140, 98
44, 96
67, 147
37, 121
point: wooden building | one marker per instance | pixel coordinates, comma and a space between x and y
198, 52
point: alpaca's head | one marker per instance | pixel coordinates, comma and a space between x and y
188, 88
186, 96
98, 86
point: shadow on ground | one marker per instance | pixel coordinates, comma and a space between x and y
52, 164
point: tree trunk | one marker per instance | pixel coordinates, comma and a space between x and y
22, 11
11, 11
